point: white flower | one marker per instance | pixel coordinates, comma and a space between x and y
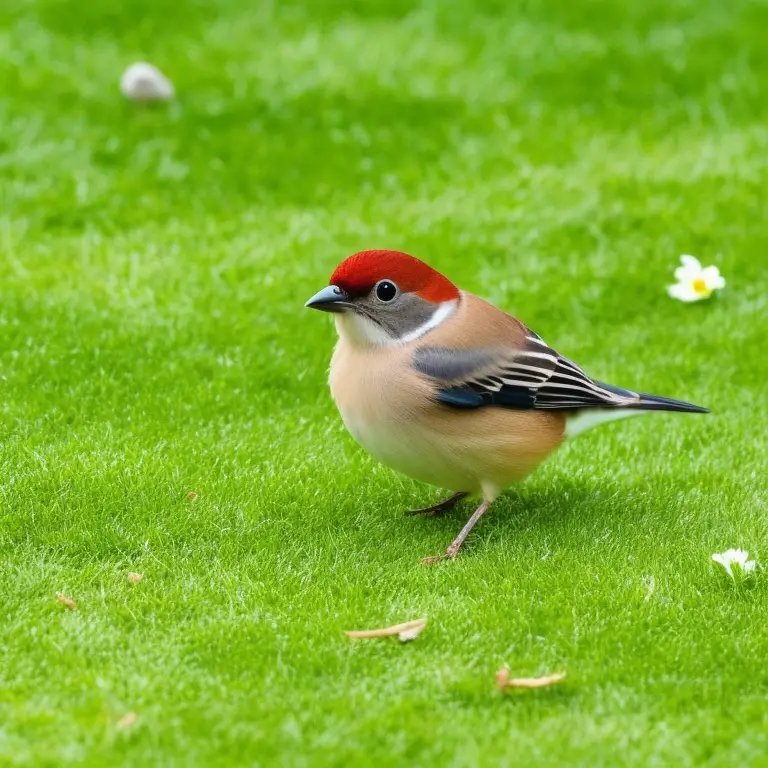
695, 282
144, 82
735, 559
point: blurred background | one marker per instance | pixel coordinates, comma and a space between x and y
553, 157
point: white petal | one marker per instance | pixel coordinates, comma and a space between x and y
689, 271
690, 262
687, 274
738, 556
712, 278
725, 562
684, 292
145, 82
733, 555
749, 566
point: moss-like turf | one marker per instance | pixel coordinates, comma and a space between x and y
553, 157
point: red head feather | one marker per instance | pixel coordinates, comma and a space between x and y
360, 272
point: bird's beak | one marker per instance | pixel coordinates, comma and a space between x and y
330, 299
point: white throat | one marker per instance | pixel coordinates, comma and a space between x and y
363, 332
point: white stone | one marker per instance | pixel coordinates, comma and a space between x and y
145, 82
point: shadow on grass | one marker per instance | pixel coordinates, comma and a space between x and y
553, 508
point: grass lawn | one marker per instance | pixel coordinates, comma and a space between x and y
553, 157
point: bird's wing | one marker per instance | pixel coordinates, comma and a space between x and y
532, 376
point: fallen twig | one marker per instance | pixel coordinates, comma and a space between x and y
128, 720
503, 680
66, 601
406, 631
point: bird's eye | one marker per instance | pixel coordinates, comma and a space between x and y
386, 291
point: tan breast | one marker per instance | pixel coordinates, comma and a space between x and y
392, 412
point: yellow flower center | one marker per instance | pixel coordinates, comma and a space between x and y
700, 287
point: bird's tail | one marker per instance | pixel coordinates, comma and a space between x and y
656, 403
634, 405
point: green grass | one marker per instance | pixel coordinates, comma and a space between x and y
555, 158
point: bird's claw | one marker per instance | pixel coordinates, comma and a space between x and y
432, 559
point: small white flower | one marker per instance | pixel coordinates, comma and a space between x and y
144, 82
735, 560
695, 282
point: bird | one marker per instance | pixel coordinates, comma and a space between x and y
450, 390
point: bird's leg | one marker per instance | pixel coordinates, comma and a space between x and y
441, 508
453, 550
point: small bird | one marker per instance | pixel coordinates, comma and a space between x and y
450, 390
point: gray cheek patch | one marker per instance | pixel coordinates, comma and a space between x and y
400, 317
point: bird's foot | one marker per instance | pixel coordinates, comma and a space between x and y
453, 550
438, 509
432, 559
450, 554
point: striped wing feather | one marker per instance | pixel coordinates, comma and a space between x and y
532, 377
